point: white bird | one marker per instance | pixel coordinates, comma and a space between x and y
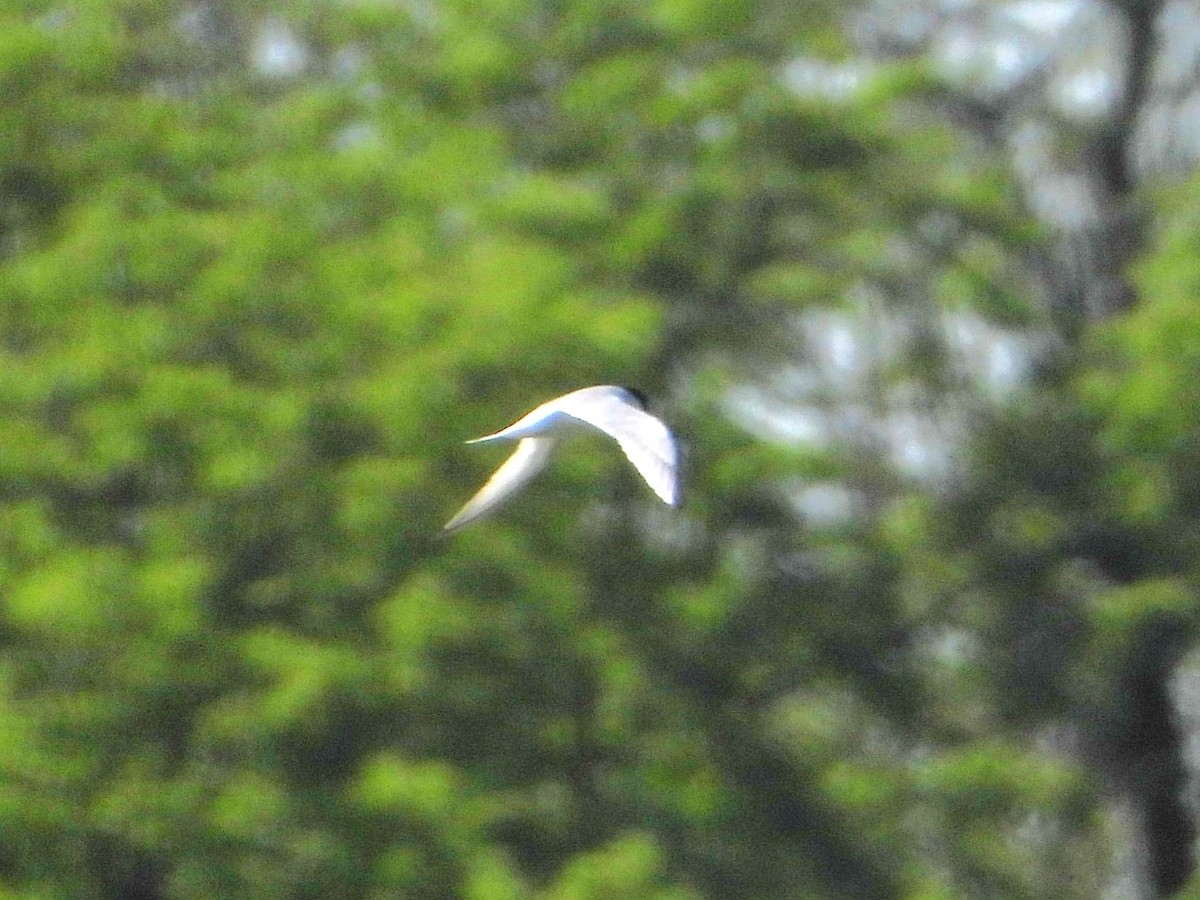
618, 412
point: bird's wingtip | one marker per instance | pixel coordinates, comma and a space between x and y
669, 494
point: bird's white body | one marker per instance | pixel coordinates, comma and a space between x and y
615, 411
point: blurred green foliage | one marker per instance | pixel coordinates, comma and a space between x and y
263, 269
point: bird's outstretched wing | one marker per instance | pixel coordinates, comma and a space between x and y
645, 440
527, 460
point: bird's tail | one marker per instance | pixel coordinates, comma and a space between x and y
486, 437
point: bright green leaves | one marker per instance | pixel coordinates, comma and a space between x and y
1002, 801
1146, 382
629, 866
248, 316
79, 595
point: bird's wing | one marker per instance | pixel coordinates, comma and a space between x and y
527, 460
645, 440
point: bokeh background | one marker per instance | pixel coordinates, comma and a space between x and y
916, 284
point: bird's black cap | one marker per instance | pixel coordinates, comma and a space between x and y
637, 395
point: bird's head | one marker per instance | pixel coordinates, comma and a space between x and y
637, 395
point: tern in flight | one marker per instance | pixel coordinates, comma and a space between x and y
616, 411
